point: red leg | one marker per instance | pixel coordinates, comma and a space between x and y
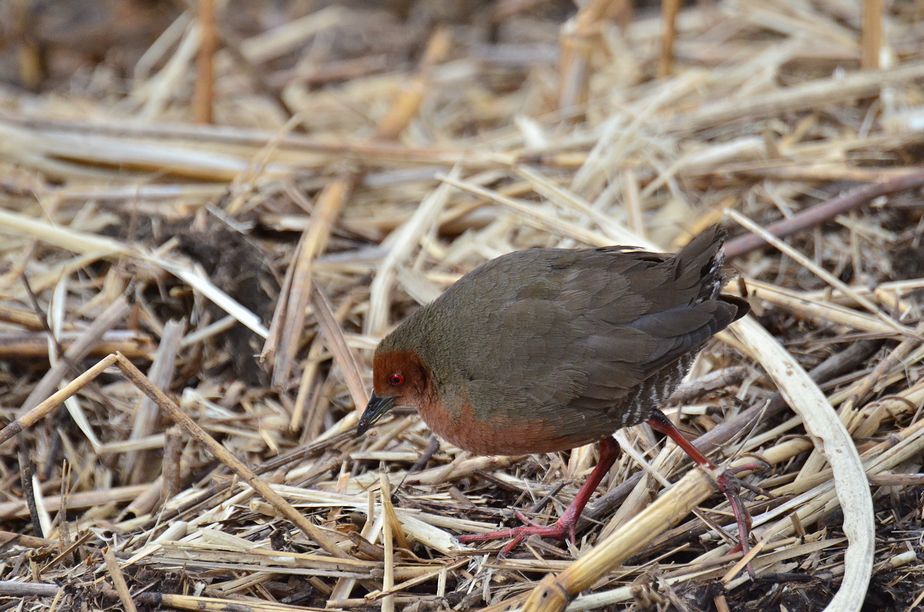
660, 422
565, 525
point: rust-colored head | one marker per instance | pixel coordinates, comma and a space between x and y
399, 378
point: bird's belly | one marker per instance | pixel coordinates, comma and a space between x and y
502, 435
638, 405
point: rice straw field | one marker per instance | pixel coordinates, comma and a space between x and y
211, 212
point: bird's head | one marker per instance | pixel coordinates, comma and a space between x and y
399, 378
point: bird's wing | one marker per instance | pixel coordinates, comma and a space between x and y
584, 331
621, 358
674, 309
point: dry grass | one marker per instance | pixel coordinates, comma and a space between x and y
233, 279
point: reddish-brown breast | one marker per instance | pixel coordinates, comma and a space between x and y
490, 435
484, 431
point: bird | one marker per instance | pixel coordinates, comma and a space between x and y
548, 349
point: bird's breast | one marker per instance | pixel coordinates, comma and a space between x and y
484, 433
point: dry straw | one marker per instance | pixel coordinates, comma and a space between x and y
197, 262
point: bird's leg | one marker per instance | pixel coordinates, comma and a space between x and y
566, 523
660, 422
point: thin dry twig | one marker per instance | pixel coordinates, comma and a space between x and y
118, 580
208, 45
825, 211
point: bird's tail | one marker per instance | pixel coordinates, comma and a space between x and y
703, 259
701, 262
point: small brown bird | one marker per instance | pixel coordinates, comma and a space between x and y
549, 349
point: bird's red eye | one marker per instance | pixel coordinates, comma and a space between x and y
396, 380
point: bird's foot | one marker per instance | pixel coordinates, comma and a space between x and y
566, 525
726, 480
563, 527
730, 486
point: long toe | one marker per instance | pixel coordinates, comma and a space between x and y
510, 546
501, 534
728, 485
518, 535
525, 519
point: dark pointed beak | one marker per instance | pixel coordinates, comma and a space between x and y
375, 409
